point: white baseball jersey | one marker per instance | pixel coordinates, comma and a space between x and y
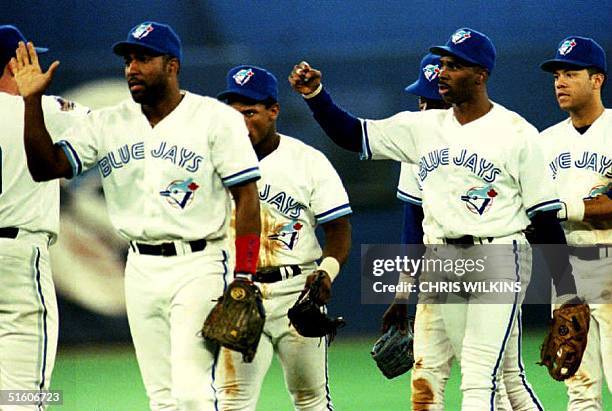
23, 202
580, 165
479, 179
408, 187
299, 189
171, 181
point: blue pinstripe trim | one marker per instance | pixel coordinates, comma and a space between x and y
508, 328
334, 213
241, 177
535, 399
212, 385
403, 196
214, 367
330, 406
41, 386
366, 152
73, 157
225, 270
545, 206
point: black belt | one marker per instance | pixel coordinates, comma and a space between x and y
596, 252
466, 240
166, 249
277, 274
9, 232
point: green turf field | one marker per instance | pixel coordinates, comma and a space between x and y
107, 379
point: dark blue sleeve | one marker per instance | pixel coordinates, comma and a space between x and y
342, 127
412, 233
412, 229
547, 232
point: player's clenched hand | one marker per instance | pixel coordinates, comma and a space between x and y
323, 293
31, 81
304, 79
397, 315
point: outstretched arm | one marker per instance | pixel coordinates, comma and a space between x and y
342, 127
46, 161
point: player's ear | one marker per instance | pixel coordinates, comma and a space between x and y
7, 70
173, 65
482, 76
274, 111
598, 80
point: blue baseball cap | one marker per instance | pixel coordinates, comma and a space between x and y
427, 83
469, 45
10, 36
577, 51
152, 36
252, 82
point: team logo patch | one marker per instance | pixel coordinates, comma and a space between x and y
567, 47
460, 36
601, 189
479, 199
243, 76
180, 193
65, 105
431, 71
142, 31
288, 234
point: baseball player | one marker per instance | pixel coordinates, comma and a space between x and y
515, 393
168, 161
474, 192
29, 223
579, 159
298, 191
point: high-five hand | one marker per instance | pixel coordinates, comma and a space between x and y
31, 81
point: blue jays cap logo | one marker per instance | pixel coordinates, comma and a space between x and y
243, 76
567, 46
431, 71
460, 36
479, 199
288, 234
142, 31
180, 192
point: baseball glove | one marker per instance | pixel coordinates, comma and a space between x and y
236, 321
566, 341
393, 352
308, 316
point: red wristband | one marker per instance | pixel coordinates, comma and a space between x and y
247, 253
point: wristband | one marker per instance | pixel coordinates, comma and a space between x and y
247, 253
314, 93
564, 299
404, 285
574, 210
331, 266
243, 276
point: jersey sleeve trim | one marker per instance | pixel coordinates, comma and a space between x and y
403, 196
73, 157
250, 174
366, 151
545, 206
334, 213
